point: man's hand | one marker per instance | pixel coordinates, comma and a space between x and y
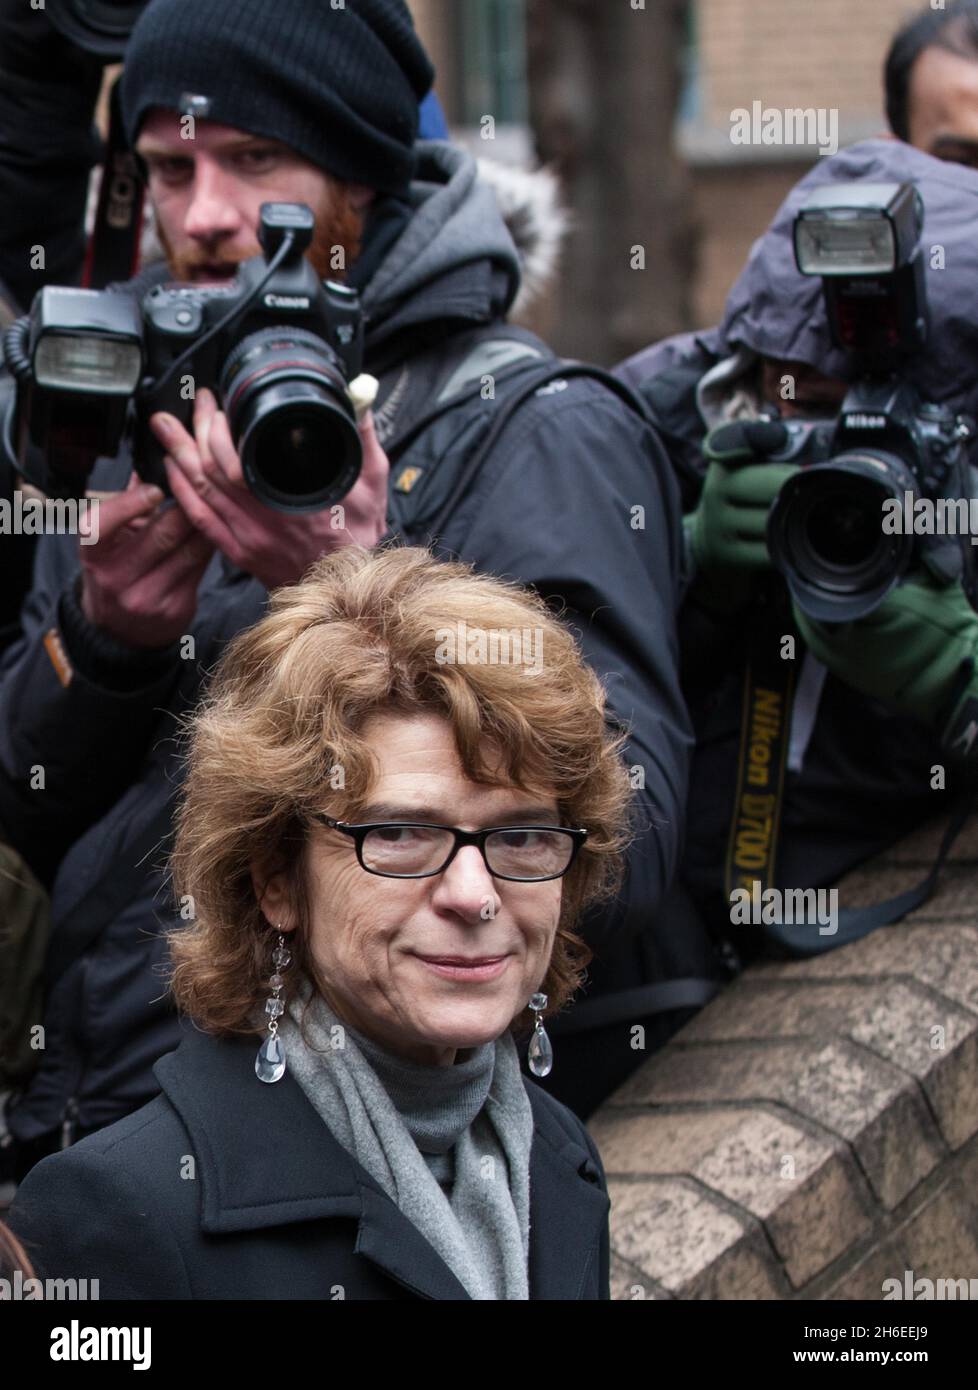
276, 547
140, 578
914, 652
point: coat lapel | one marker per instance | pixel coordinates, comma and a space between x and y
398, 1247
265, 1158
568, 1208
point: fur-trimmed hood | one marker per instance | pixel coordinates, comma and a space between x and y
531, 203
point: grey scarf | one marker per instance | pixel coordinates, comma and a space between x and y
477, 1110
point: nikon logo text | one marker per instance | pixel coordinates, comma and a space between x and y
857, 421
286, 301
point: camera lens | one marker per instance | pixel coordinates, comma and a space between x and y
825, 534
291, 419
841, 528
98, 26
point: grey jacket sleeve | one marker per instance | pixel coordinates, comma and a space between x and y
578, 500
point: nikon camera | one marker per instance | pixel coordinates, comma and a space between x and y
826, 530
276, 345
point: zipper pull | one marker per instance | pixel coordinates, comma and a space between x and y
69, 1123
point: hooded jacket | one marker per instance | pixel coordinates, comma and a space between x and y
859, 775
553, 507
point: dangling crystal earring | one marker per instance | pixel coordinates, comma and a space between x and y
540, 1053
270, 1062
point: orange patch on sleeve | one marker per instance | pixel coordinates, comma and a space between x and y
58, 657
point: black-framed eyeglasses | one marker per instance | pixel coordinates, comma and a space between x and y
418, 849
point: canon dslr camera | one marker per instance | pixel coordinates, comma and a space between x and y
826, 530
276, 345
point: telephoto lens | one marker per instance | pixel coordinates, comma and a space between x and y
291, 419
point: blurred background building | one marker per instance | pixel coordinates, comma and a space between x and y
631, 102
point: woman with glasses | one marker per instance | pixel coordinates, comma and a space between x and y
384, 846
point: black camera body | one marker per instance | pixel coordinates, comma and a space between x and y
277, 346
826, 532
888, 448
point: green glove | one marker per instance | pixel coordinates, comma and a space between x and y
728, 529
916, 651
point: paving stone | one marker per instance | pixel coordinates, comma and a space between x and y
878, 1109
849, 1042
899, 1148
953, 900
893, 1018
938, 1044
939, 1240
629, 1285
944, 957
967, 1169
803, 1188
865, 1279
690, 1244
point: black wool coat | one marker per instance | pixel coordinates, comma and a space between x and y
227, 1188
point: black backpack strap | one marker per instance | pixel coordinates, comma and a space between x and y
534, 380
670, 400
665, 996
114, 246
497, 350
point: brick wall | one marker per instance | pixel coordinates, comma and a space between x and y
814, 1130
785, 54
731, 207
790, 53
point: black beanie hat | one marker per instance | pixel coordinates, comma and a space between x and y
340, 85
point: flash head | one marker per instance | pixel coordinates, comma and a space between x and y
858, 229
86, 342
863, 241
